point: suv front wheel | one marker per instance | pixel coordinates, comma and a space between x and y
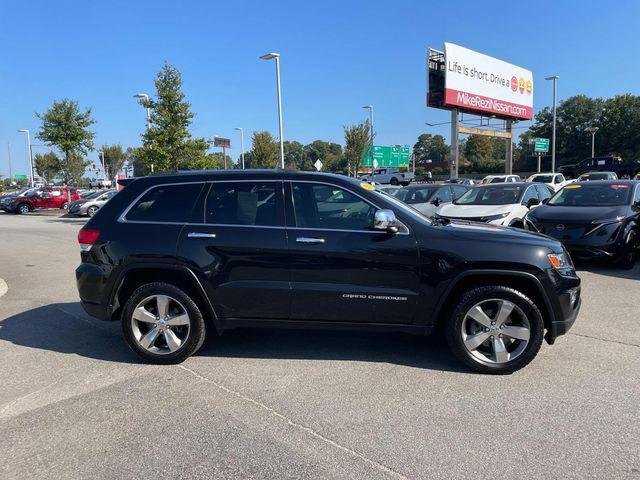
495, 329
162, 324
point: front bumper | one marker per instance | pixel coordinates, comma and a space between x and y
565, 305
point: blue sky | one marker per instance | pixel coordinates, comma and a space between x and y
336, 57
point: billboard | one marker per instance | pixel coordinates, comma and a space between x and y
221, 142
477, 83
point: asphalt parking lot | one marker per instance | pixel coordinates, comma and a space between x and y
76, 403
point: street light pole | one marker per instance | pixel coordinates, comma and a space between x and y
554, 78
146, 98
276, 56
241, 144
593, 131
370, 108
24, 130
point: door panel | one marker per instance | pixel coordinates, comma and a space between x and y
241, 250
351, 273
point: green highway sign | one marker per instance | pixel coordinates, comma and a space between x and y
20, 176
387, 155
541, 145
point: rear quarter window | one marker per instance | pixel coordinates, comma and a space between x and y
167, 203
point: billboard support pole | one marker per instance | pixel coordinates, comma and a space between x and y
455, 151
539, 158
508, 156
224, 157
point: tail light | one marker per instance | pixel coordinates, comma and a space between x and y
86, 238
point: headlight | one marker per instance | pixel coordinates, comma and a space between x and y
602, 223
562, 263
491, 218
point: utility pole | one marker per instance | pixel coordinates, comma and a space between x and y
553, 78
9, 156
508, 156
455, 150
241, 145
373, 169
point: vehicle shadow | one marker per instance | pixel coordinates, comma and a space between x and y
65, 328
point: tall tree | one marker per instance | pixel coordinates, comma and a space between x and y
295, 156
65, 127
47, 165
356, 140
168, 145
264, 152
430, 147
211, 161
114, 158
319, 150
478, 148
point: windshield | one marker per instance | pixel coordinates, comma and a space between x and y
504, 194
542, 179
403, 206
412, 196
590, 195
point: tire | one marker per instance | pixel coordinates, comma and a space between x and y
91, 211
65, 206
394, 181
191, 334
629, 254
462, 331
23, 208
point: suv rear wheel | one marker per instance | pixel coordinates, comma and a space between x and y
23, 208
162, 324
495, 329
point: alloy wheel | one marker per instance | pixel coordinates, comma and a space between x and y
495, 331
160, 324
24, 209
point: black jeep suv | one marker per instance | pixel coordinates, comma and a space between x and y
171, 256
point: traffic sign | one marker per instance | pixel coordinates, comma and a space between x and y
20, 176
318, 165
387, 156
541, 145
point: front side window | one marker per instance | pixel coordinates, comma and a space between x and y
529, 194
167, 203
544, 192
329, 207
244, 203
444, 194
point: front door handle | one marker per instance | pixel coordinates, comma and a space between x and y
201, 235
309, 240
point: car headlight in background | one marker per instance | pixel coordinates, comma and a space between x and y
562, 263
598, 224
491, 218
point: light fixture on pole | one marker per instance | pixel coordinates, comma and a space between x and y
276, 56
373, 167
592, 131
241, 144
145, 97
24, 130
553, 78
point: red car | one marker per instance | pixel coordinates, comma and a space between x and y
51, 197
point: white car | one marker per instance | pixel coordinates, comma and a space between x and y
100, 183
428, 199
555, 180
499, 204
500, 179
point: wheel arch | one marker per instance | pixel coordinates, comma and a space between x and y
525, 282
182, 277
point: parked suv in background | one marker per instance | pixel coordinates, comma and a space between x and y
171, 256
52, 197
601, 164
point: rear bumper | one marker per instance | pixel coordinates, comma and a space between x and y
91, 283
96, 310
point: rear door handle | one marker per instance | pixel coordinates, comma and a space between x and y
309, 240
201, 235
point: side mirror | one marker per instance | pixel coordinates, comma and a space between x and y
385, 220
532, 202
436, 202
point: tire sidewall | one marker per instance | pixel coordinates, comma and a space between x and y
91, 211
476, 295
196, 330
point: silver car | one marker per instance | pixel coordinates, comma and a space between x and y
91, 205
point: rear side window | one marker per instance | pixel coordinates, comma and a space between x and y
245, 203
167, 203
